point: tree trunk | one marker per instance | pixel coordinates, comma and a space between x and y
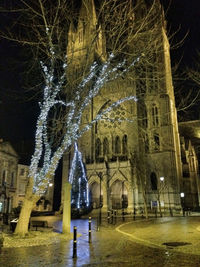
29, 201
66, 209
22, 225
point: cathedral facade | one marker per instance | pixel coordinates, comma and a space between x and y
132, 154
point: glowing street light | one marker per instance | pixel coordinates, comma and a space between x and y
182, 194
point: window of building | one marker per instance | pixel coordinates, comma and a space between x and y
96, 127
12, 181
156, 141
22, 188
22, 172
117, 145
192, 164
98, 148
154, 182
155, 119
146, 143
141, 80
4, 177
105, 147
144, 119
80, 36
124, 145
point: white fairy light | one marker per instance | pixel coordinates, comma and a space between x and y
98, 75
78, 158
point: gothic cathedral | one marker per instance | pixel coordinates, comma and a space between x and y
132, 155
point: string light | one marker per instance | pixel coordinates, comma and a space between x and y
98, 75
82, 198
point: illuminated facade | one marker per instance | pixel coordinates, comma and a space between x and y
8, 177
127, 152
46, 202
190, 148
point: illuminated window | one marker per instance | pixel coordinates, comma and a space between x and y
155, 115
80, 36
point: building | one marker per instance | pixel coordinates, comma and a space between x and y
190, 180
133, 155
8, 177
46, 201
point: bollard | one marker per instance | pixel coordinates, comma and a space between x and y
75, 243
90, 233
115, 216
108, 216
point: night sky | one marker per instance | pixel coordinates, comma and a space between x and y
18, 117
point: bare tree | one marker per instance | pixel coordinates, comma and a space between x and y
67, 89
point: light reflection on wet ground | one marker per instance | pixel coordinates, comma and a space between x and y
108, 248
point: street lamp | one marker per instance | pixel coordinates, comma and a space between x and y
100, 178
162, 179
182, 194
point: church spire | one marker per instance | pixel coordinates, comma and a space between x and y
85, 39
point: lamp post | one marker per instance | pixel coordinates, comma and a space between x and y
100, 180
182, 194
162, 178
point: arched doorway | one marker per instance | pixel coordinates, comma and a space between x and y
119, 195
96, 196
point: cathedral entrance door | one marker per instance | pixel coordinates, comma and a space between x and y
119, 195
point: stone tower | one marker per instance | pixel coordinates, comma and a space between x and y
132, 155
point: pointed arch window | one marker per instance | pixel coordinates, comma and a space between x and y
80, 36
144, 119
146, 143
125, 145
117, 145
12, 182
96, 127
105, 147
4, 177
155, 119
156, 141
98, 148
154, 181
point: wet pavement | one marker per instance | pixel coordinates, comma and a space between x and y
131, 243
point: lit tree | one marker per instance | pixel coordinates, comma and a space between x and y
78, 179
63, 103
